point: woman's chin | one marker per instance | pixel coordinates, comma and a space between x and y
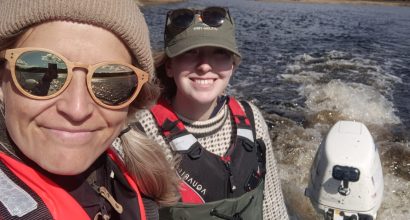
66, 168
205, 98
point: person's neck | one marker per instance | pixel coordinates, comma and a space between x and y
192, 110
67, 182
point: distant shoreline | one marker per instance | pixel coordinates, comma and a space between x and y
359, 2
157, 2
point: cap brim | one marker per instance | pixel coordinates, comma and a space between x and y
187, 44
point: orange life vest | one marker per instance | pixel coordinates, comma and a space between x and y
59, 203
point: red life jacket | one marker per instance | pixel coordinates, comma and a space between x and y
206, 176
41, 198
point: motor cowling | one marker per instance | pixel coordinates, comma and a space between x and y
346, 179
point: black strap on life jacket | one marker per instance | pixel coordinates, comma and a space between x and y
249, 114
259, 142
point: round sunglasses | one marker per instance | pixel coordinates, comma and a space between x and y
44, 74
183, 18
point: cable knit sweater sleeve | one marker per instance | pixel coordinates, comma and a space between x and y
216, 136
273, 203
151, 129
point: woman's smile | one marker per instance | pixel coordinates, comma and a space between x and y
67, 135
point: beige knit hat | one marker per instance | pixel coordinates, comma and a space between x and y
122, 17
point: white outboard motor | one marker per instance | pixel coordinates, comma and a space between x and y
346, 179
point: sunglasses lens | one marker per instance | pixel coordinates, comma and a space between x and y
114, 84
41, 73
214, 16
182, 18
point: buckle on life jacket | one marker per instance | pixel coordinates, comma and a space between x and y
196, 151
253, 180
248, 145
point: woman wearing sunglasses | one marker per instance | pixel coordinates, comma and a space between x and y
70, 74
226, 157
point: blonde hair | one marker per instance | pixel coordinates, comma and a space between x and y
145, 160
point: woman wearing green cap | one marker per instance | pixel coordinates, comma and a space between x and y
71, 72
227, 166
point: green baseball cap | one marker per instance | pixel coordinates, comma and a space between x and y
200, 28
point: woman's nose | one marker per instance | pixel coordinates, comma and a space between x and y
75, 102
204, 64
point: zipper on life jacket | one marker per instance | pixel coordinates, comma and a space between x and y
227, 162
104, 193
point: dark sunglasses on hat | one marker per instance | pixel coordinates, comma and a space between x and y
43, 74
212, 16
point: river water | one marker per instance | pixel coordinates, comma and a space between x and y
309, 65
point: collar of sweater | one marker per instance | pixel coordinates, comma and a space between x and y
207, 127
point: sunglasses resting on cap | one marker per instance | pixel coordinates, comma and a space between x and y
212, 16
44, 74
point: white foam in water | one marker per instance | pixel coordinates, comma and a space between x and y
305, 77
352, 86
396, 195
353, 100
347, 64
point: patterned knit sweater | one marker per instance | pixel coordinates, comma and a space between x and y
216, 135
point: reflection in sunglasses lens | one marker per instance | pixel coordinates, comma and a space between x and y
182, 18
114, 84
214, 17
40, 73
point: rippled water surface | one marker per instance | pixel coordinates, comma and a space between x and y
309, 65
